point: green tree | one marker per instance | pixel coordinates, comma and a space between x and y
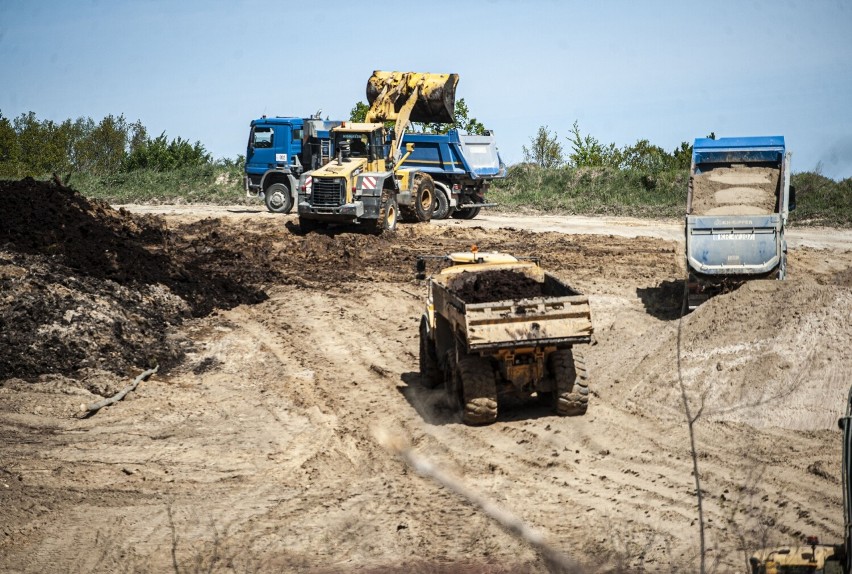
101, 150
160, 154
646, 157
461, 121
545, 149
587, 151
358, 113
682, 156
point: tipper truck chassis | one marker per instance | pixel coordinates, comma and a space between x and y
495, 326
366, 184
737, 206
462, 167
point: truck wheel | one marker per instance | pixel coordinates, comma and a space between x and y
479, 390
442, 205
468, 212
568, 367
278, 199
430, 375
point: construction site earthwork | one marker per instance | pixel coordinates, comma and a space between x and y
327, 400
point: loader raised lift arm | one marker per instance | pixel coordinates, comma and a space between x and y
406, 97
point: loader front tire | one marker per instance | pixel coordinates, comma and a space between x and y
568, 367
388, 217
430, 374
478, 387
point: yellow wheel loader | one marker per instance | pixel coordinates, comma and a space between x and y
365, 184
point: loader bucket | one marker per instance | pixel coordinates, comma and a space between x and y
387, 93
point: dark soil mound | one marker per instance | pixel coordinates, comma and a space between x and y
497, 285
84, 285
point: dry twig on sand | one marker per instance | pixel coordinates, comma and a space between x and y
557, 561
92, 408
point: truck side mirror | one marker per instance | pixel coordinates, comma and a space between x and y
791, 201
421, 269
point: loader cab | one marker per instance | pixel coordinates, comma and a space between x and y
362, 141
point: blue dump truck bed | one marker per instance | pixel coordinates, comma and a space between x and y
453, 154
737, 209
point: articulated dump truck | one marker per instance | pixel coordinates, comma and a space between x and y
737, 206
497, 326
366, 184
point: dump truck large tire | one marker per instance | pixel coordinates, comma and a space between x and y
430, 374
278, 199
478, 385
571, 377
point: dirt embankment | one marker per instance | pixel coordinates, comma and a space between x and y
254, 447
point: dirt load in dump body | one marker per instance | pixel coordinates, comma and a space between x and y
735, 190
489, 286
85, 286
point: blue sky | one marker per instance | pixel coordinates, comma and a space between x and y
662, 71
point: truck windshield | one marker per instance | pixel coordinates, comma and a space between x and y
262, 137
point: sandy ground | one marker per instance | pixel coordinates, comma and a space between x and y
258, 450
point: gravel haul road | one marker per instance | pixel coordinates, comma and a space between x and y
287, 360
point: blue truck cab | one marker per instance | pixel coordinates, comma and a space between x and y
279, 150
738, 201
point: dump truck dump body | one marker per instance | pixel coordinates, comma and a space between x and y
560, 317
737, 206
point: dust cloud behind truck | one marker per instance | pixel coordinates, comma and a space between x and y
737, 206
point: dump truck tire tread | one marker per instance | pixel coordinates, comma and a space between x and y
572, 382
479, 389
430, 374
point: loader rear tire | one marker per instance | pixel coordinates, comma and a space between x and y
478, 389
422, 200
571, 376
278, 199
430, 374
